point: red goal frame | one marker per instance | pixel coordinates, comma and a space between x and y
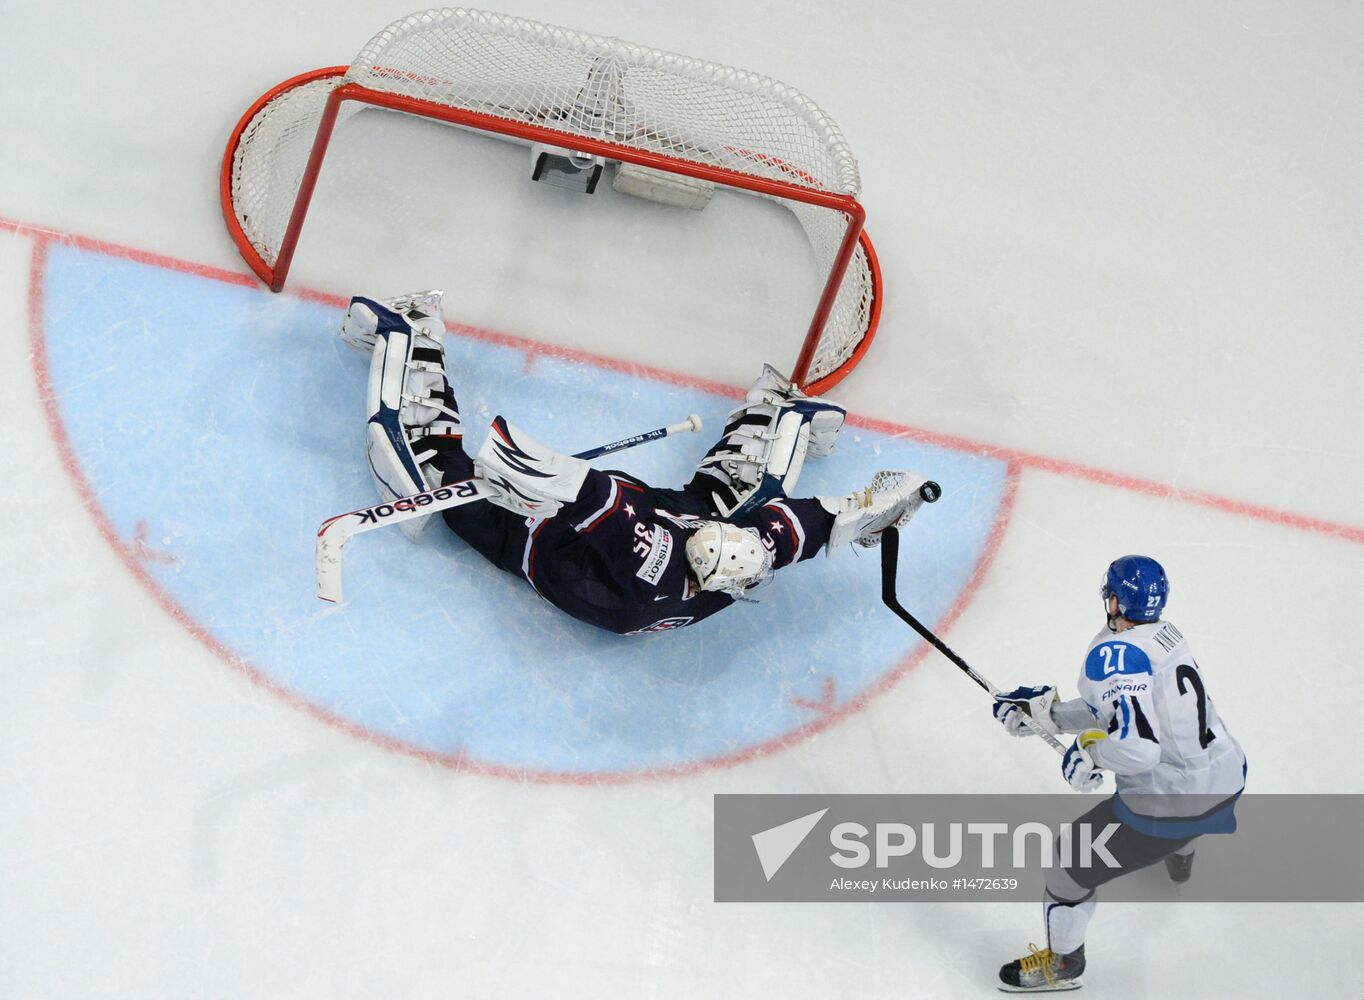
276, 276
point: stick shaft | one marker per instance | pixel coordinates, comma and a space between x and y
692, 423
336, 531
890, 558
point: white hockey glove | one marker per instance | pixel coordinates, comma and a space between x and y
1010, 707
524, 476
1078, 767
892, 498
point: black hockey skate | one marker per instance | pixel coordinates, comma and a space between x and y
1043, 972
1180, 866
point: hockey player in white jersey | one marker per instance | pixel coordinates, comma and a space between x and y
1145, 714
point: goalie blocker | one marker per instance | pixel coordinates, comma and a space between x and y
601, 545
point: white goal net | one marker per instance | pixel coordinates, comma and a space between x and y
621, 103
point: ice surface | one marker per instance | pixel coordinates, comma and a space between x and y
1123, 268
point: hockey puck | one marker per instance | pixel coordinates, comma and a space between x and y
930, 491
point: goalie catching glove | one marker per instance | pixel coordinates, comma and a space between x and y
893, 498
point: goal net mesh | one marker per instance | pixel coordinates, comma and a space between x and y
686, 110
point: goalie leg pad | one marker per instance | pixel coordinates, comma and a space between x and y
893, 498
413, 416
525, 476
766, 441
365, 317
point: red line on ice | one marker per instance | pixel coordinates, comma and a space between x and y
826, 697
1025, 459
459, 760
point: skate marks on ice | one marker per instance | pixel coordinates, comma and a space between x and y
213, 426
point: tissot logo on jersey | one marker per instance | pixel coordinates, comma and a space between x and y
656, 546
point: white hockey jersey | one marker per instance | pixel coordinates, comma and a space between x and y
1167, 746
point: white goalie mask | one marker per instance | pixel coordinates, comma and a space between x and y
728, 558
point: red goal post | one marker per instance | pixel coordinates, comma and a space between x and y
627, 104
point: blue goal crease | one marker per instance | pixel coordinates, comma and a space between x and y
234, 453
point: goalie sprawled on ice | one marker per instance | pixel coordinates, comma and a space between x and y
603, 546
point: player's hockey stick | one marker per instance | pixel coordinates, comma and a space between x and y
336, 531
890, 560
692, 423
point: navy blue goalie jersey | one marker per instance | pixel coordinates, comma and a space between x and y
616, 556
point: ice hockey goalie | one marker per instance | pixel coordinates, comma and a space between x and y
601, 545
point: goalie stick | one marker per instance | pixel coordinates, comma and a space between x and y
336, 531
890, 559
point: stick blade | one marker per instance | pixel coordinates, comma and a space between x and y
327, 562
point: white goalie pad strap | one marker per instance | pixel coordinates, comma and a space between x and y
892, 499
763, 453
407, 397
525, 476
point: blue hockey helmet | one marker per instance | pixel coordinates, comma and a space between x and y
1139, 584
